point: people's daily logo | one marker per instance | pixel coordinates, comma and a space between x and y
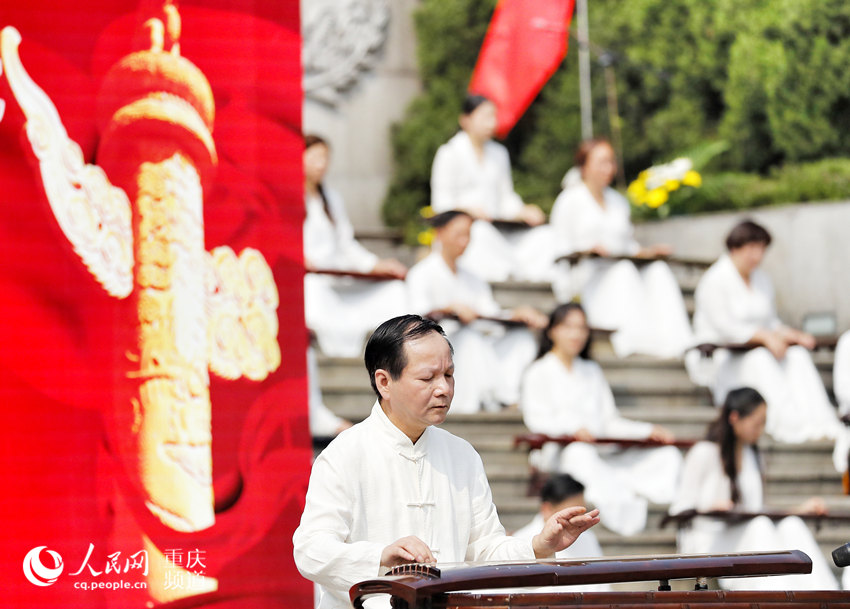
37, 572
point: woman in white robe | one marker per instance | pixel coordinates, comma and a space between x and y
735, 305
489, 356
341, 311
565, 393
644, 305
472, 173
723, 473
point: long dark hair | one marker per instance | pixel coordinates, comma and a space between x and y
311, 139
556, 317
743, 401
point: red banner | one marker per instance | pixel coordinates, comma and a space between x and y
155, 442
525, 43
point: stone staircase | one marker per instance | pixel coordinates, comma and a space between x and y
647, 389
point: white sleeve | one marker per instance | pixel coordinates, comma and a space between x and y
321, 551
713, 306
764, 284
696, 471
630, 246
352, 255
616, 426
563, 223
841, 373
485, 302
510, 203
487, 538
418, 290
535, 402
442, 181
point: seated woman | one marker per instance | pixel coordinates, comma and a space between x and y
724, 472
489, 356
341, 311
472, 173
735, 305
644, 306
565, 393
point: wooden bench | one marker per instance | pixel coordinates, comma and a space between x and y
533, 441
576, 257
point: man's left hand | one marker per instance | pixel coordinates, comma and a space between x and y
562, 529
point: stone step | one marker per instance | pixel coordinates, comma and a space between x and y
630, 378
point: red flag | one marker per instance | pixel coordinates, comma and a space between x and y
525, 43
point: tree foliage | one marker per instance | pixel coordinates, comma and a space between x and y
768, 78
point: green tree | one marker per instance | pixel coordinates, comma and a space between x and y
768, 78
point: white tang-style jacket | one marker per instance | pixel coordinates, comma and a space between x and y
558, 401
372, 486
341, 311
704, 486
729, 311
645, 305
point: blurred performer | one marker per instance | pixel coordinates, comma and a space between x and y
472, 173
341, 310
395, 489
724, 472
559, 492
645, 306
323, 422
735, 305
841, 374
490, 357
565, 393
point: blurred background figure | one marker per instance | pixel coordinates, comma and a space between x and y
724, 472
644, 306
472, 173
489, 356
841, 375
735, 305
341, 310
558, 492
323, 422
565, 393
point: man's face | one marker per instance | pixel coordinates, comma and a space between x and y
422, 394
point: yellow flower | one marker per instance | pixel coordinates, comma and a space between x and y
671, 185
637, 191
426, 237
692, 178
427, 212
656, 197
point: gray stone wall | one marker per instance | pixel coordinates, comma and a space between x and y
358, 124
809, 260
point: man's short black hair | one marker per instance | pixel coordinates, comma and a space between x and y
560, 487
747, 232
385, 348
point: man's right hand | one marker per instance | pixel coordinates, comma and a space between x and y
406, 550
